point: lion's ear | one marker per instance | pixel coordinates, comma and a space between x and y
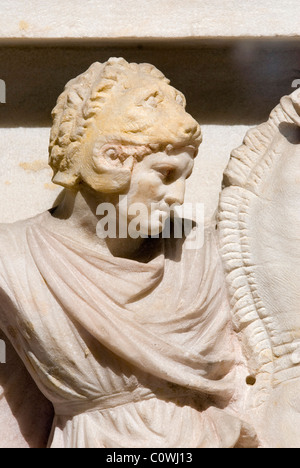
291, 105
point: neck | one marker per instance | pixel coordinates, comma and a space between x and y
76, 217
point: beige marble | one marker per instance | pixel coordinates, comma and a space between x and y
27, 189
258, 204
229, 88
88, 315
152, 19
260, 245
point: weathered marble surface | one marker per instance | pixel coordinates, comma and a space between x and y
229, 88
152, 19
25, 414
260, 245
135, 364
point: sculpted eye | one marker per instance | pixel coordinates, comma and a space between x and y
152, 100
166, 172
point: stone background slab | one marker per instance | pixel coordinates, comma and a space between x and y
230, 86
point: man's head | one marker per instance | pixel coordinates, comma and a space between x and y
111, 117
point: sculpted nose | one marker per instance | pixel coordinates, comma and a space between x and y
175, 193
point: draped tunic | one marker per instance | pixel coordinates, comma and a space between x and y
130, 353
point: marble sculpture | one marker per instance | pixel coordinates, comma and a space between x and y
139, 341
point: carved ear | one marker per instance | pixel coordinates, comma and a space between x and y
111, 156
112, 169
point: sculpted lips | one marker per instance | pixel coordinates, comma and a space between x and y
164, 207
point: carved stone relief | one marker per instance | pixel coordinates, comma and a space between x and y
130, 333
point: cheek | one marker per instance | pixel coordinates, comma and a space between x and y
148, 189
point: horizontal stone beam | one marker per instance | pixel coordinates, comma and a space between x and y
148, 19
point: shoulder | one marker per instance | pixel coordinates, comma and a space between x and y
12, 238
14, 246
9, 233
